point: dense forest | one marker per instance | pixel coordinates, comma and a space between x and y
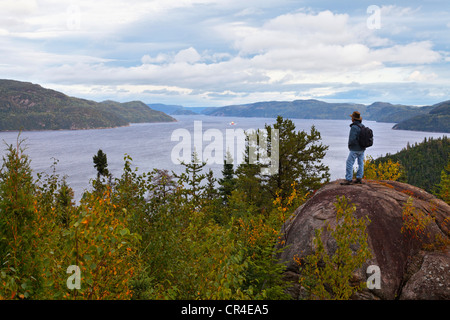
436, 120
157, 235
423, 163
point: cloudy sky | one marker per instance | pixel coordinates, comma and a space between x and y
221, 52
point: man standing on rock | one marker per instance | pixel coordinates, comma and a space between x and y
356, 151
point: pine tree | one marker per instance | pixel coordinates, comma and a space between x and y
300, 156
192, 178
300, 159
228, 181
210, 193
101, 164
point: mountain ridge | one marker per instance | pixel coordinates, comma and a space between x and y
316, 109
28, 106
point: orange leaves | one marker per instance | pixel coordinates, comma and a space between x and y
408, 192
414, 221
255, 231
297, 260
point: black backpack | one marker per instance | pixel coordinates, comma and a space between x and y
365, 138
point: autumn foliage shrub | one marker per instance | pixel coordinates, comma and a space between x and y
152, 235
415, 226
19, 262
415, 221
327, 275
387, 170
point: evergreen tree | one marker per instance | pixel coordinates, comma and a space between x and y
101, 164
210, 192
192, 178
64, 202
228, 182
299, 161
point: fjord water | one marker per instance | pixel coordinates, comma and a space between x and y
150, 145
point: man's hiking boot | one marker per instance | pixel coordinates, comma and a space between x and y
358, 180
346, 183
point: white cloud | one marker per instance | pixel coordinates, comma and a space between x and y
160, 58
300, 47
317, 47
189, 55
19, 7
397, 11
54, 18
412, 53
421, 77
250, 11
291, 31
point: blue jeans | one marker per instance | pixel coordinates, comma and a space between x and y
352, 156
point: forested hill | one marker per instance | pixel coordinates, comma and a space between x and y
423, 162
437, 120
27, 106
316, 109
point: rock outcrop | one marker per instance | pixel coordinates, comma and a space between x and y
410, 268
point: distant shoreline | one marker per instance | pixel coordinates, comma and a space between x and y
80, 129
